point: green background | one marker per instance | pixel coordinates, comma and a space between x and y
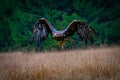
17, 18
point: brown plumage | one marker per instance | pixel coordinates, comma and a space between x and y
43, 27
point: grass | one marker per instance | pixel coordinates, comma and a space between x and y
82, 64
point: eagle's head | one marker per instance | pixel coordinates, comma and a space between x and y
58, 36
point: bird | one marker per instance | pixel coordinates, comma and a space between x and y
43, 27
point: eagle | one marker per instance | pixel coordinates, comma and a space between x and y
43, 27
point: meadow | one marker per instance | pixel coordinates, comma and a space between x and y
101, 63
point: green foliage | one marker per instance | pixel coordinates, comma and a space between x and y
17, 19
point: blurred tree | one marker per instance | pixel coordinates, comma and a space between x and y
17, 18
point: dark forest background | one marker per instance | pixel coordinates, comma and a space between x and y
17, 18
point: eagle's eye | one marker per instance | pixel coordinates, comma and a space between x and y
57, 34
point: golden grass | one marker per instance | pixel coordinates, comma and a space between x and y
88, 64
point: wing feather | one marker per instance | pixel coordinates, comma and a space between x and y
83, 30
41, 30
72, 28
49, 28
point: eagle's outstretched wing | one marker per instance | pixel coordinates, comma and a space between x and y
41, 30
71, 28
44, 23
83, 30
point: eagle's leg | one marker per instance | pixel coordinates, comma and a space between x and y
62, 43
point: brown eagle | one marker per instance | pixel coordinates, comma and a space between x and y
43, 27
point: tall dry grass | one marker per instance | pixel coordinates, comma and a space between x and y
88, 64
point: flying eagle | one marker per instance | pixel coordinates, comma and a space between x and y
43, 27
